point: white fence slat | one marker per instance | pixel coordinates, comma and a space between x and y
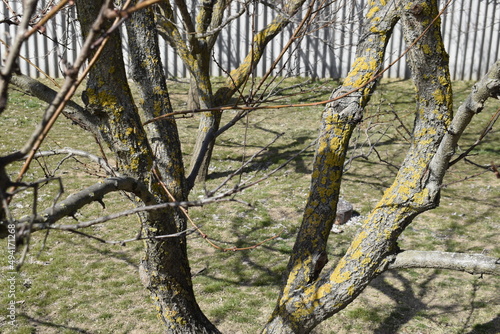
471, 34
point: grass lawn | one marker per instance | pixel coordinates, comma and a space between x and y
73, 284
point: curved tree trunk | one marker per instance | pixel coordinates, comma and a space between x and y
308, 298
150, 161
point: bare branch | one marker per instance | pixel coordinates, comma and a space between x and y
243, 165
72, 152
205, 236
96, 193
222, 25
46, 17
486, 130
73, 203
240, 75
137, 238
72, 110
471, 263
170, 32
488, 86
58, 104
204, 16
29, 8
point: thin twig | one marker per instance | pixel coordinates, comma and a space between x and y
483, 134
72, 152
46, 18
197, 228
243, 165
138, 238
298, 105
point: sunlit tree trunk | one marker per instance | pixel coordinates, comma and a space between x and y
309, 297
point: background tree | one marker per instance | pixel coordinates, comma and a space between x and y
149, 162
194, 43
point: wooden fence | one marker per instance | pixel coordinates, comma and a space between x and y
471, 32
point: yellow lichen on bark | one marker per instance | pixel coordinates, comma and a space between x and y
439, 96
356, 245
291, 277
362, 71
338, 275
426, 49
372, 12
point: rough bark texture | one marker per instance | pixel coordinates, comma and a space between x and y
303, 304
470, 263
165, 268
111, 102
210, 121
338, 121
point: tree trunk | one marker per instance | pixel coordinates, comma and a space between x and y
306, 301
165, 268
210, 121
205, 142
193, 101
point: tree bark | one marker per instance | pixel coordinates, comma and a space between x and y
338, 121
470, 263
304, 303
210, 121
164, 270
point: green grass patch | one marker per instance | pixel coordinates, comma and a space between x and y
71, 284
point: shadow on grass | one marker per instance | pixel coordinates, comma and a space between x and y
119, 255
403, 312
490, 327
272, 157
249, 272
39, 322
410, 305
260, 265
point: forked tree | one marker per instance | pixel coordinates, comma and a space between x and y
194, 42
149, 162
